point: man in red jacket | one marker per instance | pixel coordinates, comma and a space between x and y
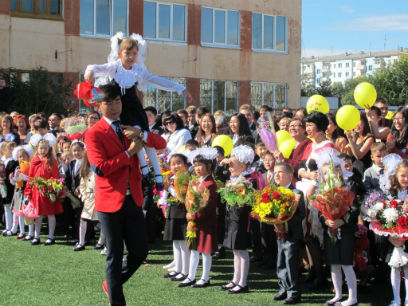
118, 190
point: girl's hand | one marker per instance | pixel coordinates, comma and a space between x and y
76, 192
278, 155
225, 161
166, 184
334, 224
89, 76
396, 242
188, 95
11, 175
349, 134
313, 175
390, 145
188, 216
189, 227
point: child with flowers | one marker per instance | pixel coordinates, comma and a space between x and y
399, 191
237, 232
176, 223
204, 221
45, 166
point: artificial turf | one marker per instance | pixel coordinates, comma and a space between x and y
56, 275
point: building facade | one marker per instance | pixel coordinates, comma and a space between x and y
340, 68
226, 52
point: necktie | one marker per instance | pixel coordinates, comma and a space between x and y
119, 132
269, 178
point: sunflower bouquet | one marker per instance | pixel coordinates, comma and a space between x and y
53, 189
238, 191
275, 205
196, 200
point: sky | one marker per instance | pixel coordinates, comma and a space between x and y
332, 27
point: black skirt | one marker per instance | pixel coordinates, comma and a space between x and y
132, 110
237, 234
341, 252
176, 223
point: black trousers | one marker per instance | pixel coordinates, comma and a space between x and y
287, 267
126, 225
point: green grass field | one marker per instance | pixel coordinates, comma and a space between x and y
56, 275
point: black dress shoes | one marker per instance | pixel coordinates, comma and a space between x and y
178, 277
280, 296
292, 300
228, 286
240, 290
186, 284
201, 285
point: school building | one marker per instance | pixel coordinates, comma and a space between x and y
227, 52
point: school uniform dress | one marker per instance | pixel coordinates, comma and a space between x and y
39, 168
206, 220
237, 230
10, 165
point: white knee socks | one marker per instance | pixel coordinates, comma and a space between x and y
8, 216
14, 226
194, 260
351, 285
337, 279
37, 230
177, 256
151, 153
207, 261
51, 226
241, 267
396, 284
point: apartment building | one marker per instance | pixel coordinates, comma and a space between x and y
340, 68
226, 52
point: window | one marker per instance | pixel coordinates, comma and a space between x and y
339, 74
318, 71
269, 32
164, 100
370, 68
272, 94
219, 95
354, 64
334, 65
318, 80
49, 9
347, 65
340, 65
164, 21
347, 74
219, 27
103, 18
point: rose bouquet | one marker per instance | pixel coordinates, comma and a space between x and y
75, 127
53, 188
238, 191
181, 181
196, 199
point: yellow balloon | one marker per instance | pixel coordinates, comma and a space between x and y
317, 103
348, 117
281, 136
286, 148
389, 116
183, 148
365, 95
224, 142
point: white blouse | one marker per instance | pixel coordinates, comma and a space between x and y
127, 78
176, 140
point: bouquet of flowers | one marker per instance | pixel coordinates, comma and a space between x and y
275, 205
89, 94
267, 132
196, 199
371, 199
181, 181
333, 201
23, 175
238, 191
52, 188
75, 127
390, 218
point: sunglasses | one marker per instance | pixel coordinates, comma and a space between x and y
169, 122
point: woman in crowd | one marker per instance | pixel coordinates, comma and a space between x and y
397, 140
238, 126
207, 131
6, 130
335, 134
175, 133
22, 127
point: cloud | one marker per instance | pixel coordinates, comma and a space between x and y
388, 23
316, 52
348, 9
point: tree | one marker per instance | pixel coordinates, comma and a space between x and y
42, 92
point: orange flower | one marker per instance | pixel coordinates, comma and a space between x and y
241, 191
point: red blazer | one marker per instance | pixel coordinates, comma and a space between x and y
114, 170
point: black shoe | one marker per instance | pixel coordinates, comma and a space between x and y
280, 296
339, 304
179, 277
79, 248
36, 241
72, 242
227, 287
20, 236
205, 284
332, 303
189, 283
170, 274
240, 290
98, 246
292, 300
49, 241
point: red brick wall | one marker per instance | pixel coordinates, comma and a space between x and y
4, 7
244, 92
194, 25
246, 30
71, 17
193, 86
136, 17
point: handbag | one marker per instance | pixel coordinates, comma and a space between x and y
30, 211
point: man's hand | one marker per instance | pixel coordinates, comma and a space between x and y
135, 146
131, 132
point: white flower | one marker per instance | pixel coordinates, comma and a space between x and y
377, 207
390, 215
